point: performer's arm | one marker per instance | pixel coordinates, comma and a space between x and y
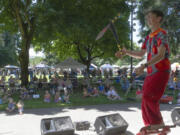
135, 54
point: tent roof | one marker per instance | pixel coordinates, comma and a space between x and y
42, 66
70, 63
106, 66
115, 66
93, 65
11, 67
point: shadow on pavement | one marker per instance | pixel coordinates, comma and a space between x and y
100, 108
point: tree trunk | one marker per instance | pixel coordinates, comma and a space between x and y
24, 61
88, 65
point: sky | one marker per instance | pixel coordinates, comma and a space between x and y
32, 53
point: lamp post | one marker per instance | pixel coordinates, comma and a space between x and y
131, 71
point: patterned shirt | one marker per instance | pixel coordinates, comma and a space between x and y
151, 44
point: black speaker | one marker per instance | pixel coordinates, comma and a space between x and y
82, 125
57, 126
113, 124
175, 115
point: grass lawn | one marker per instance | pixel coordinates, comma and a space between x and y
77, 99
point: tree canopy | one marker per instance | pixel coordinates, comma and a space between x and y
19, 16
76, 24
8, 49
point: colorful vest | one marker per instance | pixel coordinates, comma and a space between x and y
151, 44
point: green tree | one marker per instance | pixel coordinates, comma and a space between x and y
77, 25
19, 16
8, 49
51, 59
34, 61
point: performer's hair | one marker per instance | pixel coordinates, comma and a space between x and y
158, 13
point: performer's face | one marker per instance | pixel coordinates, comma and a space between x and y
152, 20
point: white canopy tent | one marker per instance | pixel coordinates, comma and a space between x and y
106, 66
92, 66
70, 63
42, 66
115, 66
175, 66
11, 67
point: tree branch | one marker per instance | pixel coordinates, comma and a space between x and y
97, 56
19, 18
80, 55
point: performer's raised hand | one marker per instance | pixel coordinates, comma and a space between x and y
121, 53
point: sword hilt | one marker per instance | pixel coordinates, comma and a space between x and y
115, 18
120, 49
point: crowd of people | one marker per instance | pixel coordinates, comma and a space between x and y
59, 88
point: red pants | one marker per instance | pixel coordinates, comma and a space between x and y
153, 89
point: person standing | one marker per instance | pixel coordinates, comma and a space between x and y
158, 67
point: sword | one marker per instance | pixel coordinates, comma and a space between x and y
113, 29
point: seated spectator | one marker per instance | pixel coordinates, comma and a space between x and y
69, 85
107, 82
11, 82
52, 91
85, 92
101, 88
24, 93
31, 88
5, 99
1, 101
107, 87
44, 79
112, 94
178, 84
11, 105
64, 96
95, 92
124, 83
9, 93
60, 83
40, 85
85, 82
57, 97
118, 79
47, 97
2, 81
20, 106
139, 93
1, 92
35, 79
172, 87
89, 89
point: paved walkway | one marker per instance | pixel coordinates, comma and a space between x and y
29, 122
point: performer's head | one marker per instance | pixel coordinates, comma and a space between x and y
154, 18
